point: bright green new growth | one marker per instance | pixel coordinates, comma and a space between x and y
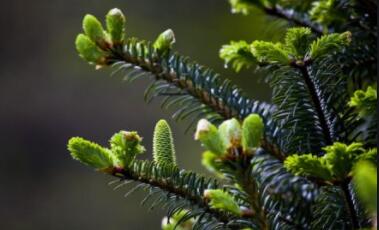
90, 153
125, 146
308, 165
341, 157
370, 155
209, 136
252, 132
219, 199
94, 30
165, 41
230, 133
298, 46
365, 101
268, 52
172, 222
329, 43
336, 164
297, 41
365, 183
88, 50
115, 21
238, 54
163, 144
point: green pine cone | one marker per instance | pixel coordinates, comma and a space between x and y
163, 144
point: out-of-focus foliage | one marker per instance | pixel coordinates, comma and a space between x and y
365, 101
366, 184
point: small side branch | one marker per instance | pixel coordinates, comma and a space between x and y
171, 188
350, 206
290, 15
316, 102
249, 185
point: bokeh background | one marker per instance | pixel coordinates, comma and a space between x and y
48, 94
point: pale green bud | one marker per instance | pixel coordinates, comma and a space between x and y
94, 30
164, 41
88, 50
125, 146
115, 20
230, 132
252, 132
208, 135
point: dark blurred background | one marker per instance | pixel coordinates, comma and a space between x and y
48, 94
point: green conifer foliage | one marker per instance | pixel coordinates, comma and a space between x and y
306, 160
90, 153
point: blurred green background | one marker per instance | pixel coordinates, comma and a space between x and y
48, 94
